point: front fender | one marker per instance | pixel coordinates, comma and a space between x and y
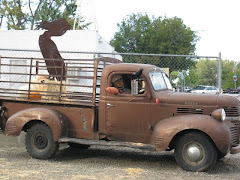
167, 129
56, 121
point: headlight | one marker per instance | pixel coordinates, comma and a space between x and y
223, 115
219, 114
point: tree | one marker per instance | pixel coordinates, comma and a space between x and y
33, 13
207, 72
133, 34
13, 11
229, 68
28, 14
1, 13
192, 77
140, 34
50, 10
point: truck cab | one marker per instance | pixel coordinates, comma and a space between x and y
126, 116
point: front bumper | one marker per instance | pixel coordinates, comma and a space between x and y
235, 150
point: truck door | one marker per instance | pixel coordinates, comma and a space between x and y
128, 116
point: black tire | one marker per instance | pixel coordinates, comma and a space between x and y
195, 152
220, 155
40, 143
78, 146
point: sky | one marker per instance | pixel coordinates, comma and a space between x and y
217, 22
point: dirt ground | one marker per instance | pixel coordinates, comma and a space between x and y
100, 162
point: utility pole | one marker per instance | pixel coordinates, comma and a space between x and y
220, 73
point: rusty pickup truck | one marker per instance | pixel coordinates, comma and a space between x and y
106, 102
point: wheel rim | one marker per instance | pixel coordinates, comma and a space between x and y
193, 153
40, 140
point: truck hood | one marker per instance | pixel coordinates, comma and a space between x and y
192, 99
200, 103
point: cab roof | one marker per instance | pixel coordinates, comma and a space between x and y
134, 67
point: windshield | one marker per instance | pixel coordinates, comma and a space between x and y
159, 81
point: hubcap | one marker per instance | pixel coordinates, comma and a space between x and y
40, 140
193, 153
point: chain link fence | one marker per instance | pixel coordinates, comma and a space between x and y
185, 71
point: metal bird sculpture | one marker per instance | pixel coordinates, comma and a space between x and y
54, 62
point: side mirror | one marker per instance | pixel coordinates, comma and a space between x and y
134, 87
139, 73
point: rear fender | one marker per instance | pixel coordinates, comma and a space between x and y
56, 121
167, 129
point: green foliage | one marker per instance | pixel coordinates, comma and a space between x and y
12, 10
174, 74
133, 35
27, 14
140, 34
207, 72
54, 9
171, 36
192, 77
229, 68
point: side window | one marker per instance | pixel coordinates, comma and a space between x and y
122, 82
141, 86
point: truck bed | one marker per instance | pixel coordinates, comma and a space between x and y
27, 79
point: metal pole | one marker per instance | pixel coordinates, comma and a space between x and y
96, 61
220, 73
30, 80
235, 73
37, 67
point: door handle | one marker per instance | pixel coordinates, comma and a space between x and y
110, 105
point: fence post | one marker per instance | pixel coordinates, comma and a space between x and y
219, 73
30, 79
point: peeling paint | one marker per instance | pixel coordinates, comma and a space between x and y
84, 121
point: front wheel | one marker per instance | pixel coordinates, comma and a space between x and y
195, 152
221, 155
40, 143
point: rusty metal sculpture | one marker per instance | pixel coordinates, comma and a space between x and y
54, 61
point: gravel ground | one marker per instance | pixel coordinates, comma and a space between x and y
100, 162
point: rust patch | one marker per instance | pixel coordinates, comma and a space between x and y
84, 121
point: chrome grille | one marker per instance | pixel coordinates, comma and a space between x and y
189, 111
232, 111
235, 133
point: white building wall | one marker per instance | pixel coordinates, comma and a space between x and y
71, 41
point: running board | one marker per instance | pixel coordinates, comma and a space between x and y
108, 143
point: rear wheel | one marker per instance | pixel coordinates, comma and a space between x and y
195, 152
40, 143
